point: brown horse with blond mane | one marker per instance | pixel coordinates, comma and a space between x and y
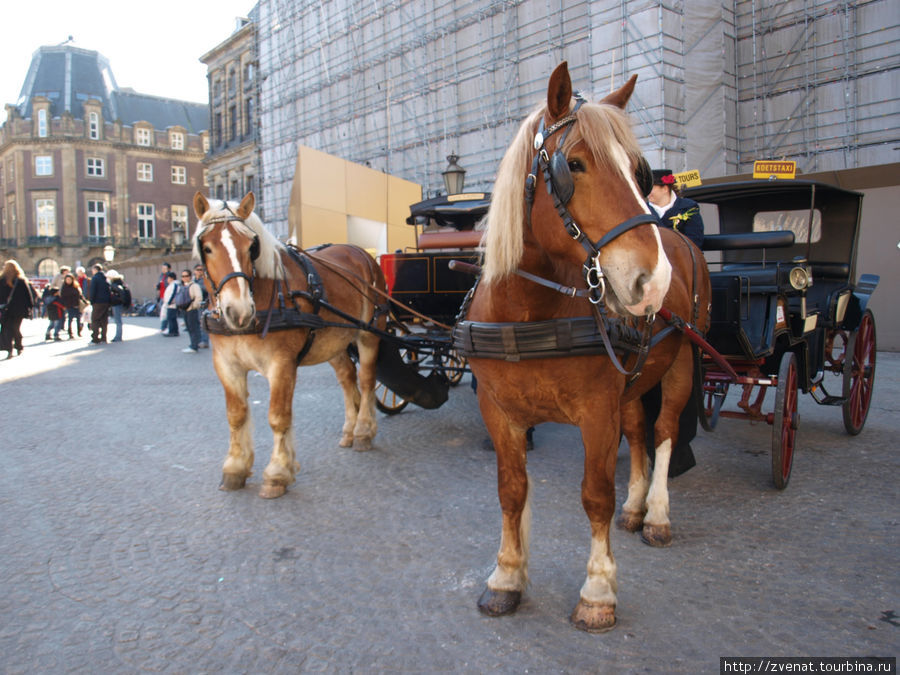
324, 302
536, 269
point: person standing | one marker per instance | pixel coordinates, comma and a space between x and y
673, 211
192, 312
119, 300
168, 308
161, 287
83, 281
56, 312
17, 300
199, 277
99, 297
71, 296
57, 281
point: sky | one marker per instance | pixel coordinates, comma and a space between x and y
154, 47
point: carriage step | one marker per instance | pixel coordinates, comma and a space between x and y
822, 397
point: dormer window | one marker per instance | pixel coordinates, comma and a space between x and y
42, 123
93, 126
177, 140
142, 136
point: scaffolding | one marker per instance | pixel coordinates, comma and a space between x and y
397, 85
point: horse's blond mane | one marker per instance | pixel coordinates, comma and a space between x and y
268, 264
603, 128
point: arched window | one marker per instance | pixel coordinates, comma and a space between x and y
48, 267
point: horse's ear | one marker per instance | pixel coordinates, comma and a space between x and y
201, 206
559, 92
246, 206
620, 96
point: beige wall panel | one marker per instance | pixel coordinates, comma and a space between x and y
322, 226
367, 192
323, 182
401, 193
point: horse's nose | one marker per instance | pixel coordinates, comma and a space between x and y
239, 316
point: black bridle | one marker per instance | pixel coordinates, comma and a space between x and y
254, 254
560, 186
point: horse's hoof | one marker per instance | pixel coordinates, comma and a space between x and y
498, 603
656, 535
362, 443
593, 618
271, 490
232, 481
346, 441
630, 521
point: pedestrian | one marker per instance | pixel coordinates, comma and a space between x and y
16, 302
83, 280
57, 281
99, 297
167, 306
674, 211
161, 286
72, 298
119, 300
192, 311
56, 312
199, 277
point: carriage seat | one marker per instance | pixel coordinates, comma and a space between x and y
746, 240
454, 239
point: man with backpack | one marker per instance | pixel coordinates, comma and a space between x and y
98, 294
119, 300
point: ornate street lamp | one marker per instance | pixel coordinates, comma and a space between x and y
178, 237
454, 176
109, 253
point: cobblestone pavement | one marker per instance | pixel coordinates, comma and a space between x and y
119, 553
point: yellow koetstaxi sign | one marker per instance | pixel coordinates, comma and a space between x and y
765, 168
688, 178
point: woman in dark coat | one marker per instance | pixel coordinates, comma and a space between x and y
673, 211
71, 297
17, 300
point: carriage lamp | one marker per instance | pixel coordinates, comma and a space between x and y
454, 176
109, 253
800, 277
177, 237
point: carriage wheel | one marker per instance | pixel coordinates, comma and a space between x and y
859, 374
786, 421
387, 401
453, 360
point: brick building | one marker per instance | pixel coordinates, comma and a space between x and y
85, 165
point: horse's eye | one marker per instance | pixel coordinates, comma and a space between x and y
207, 250
576, 166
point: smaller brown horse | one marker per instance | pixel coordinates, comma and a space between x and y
330, 298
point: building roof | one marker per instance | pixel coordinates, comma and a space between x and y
68, 76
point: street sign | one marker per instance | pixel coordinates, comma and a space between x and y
768, 169
688, 178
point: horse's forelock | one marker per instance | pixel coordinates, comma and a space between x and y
600, 127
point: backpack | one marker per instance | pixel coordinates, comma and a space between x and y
183, 298
115, 294
126, 297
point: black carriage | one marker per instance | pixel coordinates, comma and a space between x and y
788, 308
429, 295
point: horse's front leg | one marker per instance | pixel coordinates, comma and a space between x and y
366, 422
596, 608
634, 508
676, 389
345, 372
509, 578
282, 467
239, 462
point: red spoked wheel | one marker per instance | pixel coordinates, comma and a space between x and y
859, 374
786, 421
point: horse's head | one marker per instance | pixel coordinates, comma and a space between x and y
228, 245
585, 182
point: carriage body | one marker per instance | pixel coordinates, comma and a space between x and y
429, 295
787, 303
